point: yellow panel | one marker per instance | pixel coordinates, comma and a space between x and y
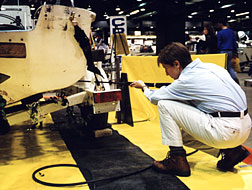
145, 67
218, 59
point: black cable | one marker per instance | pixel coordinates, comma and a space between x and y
190, 153
12, 19
78, 183
139, 121
7, 16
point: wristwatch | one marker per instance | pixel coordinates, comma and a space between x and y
143, 88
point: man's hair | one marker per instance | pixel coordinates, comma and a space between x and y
222, 21
172, 52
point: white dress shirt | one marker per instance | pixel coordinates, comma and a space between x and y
206, 86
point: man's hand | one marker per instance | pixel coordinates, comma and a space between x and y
138, 84
72, 19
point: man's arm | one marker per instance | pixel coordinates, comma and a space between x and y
153, 95
139, 84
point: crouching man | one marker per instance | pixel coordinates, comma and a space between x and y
204, 108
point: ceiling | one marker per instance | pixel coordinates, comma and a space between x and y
195, 10
146, 10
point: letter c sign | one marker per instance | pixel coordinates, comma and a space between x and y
118, 24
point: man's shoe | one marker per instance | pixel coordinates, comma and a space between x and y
231, 157
173, 164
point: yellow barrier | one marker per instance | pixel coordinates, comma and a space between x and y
218, 59
145, 68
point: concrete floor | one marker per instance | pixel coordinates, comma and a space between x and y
248, 91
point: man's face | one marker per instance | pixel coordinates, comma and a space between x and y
173, 71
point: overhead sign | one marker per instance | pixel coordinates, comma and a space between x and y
118, 24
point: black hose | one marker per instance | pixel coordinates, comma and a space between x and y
190, 153
78, 183
12, 19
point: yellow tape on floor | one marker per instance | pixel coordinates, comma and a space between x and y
147, 135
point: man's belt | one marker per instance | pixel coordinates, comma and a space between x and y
229, 114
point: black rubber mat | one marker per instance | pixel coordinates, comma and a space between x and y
112, 156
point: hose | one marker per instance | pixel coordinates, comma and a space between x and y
93, 182
78, 183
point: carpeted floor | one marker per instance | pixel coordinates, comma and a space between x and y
112, 156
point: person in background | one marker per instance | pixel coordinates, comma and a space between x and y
203, 109
236, 63
100, 44
211, 39
226, 40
